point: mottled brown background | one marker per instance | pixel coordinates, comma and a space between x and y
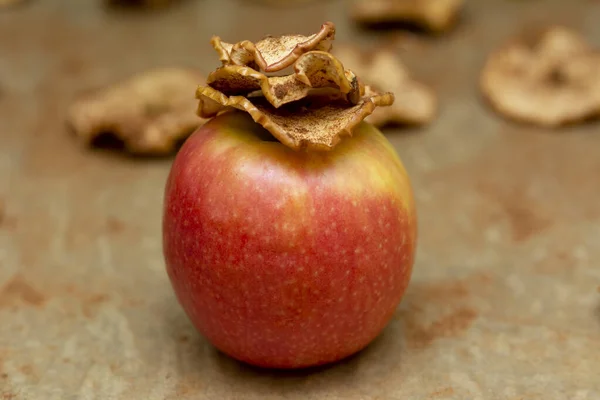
504, 303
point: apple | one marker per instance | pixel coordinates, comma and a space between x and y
285, 258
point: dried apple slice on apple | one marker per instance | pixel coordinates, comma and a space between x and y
313, 70
273, 53
317, 123
319, 69
311, 108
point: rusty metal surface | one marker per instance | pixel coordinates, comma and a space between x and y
504, 301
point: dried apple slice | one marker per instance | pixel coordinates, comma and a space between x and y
311, 108
273, 53
415, 103
549, 81
150, 113
319, 69
435, 15
313, 70
238, 80
316, 123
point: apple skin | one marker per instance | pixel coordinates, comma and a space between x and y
283, 258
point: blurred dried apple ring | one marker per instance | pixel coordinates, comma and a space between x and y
433, 15
150, 113
549, 80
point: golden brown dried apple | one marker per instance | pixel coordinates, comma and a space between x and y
434, 15
150, 113
548, 80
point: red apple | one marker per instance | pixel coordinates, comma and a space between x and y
285, 258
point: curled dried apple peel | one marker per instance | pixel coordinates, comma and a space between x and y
311, 108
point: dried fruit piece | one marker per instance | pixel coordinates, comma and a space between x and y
313, 70
319, 69
415, 103
150, 112
312, 108
435, 15
238, 80
317, 123
273, 53
549, 81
